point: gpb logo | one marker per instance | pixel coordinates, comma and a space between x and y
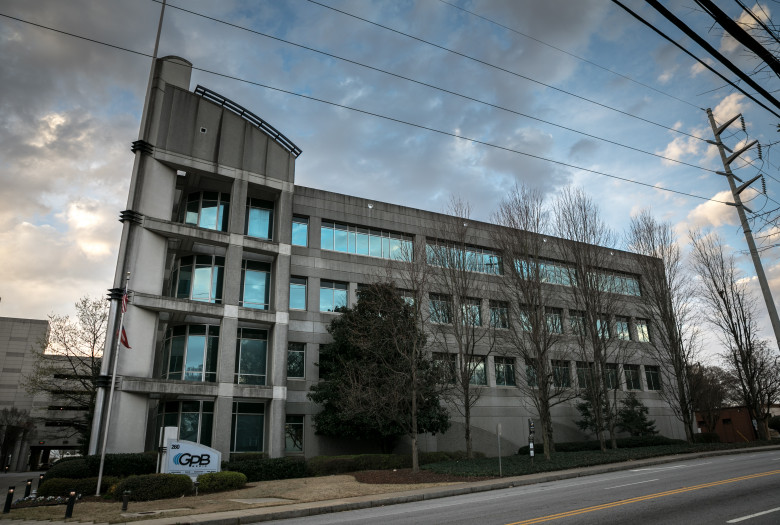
188, 460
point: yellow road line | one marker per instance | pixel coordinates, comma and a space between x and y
641, 498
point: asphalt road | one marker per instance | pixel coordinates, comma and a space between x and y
742, 489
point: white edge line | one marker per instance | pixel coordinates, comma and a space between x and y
629, 484
753, 515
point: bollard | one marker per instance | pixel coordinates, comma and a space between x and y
8, 499
195, 484
69, 508
125, 499
28, 488
6, 469
40, 480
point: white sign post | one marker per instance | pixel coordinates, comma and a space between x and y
192, 459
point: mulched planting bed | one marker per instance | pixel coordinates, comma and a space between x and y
406, 476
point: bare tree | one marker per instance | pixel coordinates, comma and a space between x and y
456, 323
585, 243
67, 367
708, 393
535, 337
667, 290
730, 309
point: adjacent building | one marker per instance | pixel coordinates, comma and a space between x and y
235, 273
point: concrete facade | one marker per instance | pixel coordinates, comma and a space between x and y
207, 171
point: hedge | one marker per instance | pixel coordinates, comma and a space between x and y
221, 481
706, 437
153, 486
115, 465
583, 446
265, 469
329, 465
247, 456
64, 486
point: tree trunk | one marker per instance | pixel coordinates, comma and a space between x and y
467, 433
415, 459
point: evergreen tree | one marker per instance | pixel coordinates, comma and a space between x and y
632, 417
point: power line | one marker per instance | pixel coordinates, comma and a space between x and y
582, 59
444, 90
385, 117
514, 73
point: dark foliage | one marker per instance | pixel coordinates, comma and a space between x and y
153, 486
221, 481
629, 442
119, 465
632, 417
706, 437
85, 486
264, 469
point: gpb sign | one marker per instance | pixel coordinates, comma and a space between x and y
186, 460
192, 459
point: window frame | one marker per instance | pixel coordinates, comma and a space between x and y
332, 288
298, 283
238, 375
302, 351
298, 219
255, 203
506, 366
245, 267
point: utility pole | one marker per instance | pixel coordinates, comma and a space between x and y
735, 191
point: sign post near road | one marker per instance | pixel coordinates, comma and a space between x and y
531, 439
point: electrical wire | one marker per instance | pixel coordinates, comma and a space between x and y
384, 117
514, 73
582, 59
444, 90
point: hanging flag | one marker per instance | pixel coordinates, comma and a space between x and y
124, 302
123, 339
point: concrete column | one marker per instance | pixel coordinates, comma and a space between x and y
223, 421
283, 218
226, 362
313, 294
238, 196
276, 415
231, 288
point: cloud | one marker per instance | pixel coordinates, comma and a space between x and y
729, 44
714, 214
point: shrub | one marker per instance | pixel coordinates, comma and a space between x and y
706, 437
583, 446
265, 469
221, 481
115, 465
328, 465
153, 486
64, 486
774, 423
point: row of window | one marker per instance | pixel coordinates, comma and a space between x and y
505, 373
195, 421
201, 277
210, 210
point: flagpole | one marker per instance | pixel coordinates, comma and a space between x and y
113, 381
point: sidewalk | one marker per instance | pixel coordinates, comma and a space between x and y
296, 510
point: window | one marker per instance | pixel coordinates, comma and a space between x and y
499, 314
477, 367
621, 328
602, 326
333, 296
300, 231
632, 377
624, 284
553, 317
524, 319
505, 371
577, 322
653, 376
547, 271
198, 277
190, 353
194, 419
297, 293
584, 374
259, 218
447, 367
611, 376
440, 309
256, 284
208, 209
470, 308
531, 375
364, 241
642, 331
251, 351
293, 433
561, 376
296, 360
246, 432
470, 258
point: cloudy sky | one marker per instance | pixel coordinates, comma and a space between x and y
69, 109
